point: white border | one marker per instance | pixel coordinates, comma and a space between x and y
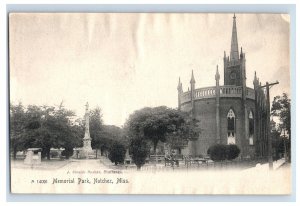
3, 83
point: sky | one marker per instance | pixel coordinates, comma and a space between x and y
124, 62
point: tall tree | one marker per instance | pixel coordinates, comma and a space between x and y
140, 149
117, 153
96, 125
96, 128
281, 108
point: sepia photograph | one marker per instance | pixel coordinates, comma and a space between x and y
150, 103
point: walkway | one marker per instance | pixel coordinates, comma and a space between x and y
88, 164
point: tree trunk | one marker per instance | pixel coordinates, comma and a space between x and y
138, 167
15, 153
156, 160
48, 153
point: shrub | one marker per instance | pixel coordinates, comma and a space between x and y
232, 151
217, 152
220, 152
117, 153
139, 149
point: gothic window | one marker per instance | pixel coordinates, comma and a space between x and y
230, 127
251, 128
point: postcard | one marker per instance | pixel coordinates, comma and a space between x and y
150, 103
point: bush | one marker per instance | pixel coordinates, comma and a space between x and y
233, 151
139, 149
217, 152
117, 153
220, 152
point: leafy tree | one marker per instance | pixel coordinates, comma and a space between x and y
17, 128
140, 149
159, 123
56, 130
103, 136
281, 108
232, 151
115, 133
117, 153
46, 127
96, 128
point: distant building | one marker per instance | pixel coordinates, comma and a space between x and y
228, 114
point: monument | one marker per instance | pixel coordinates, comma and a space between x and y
33, 156
86, 150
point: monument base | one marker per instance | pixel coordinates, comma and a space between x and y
81, 153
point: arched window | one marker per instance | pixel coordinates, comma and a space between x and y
251, 128
230, 127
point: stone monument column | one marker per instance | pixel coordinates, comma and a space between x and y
87, 148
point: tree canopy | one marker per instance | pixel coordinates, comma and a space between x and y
281, 107
158, 123
42, 126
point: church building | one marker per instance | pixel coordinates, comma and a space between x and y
228, 114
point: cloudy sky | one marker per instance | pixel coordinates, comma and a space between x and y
123, 62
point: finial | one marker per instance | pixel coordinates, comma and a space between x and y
192, 79
217, 76
234, 15
241, 54
87, 106
179, 87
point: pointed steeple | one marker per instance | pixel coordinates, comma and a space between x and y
179, 87
217, 76
234, 52
255, 81
192, 79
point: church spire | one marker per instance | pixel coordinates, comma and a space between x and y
234, 52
